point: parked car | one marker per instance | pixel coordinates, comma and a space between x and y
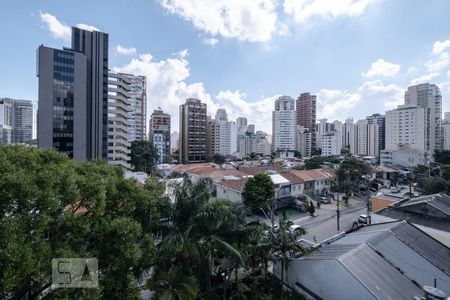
363, 219
395, 189
325, 200
294, 227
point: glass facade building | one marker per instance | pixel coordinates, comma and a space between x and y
63, 101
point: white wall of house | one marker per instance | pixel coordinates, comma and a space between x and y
321, 184
297, 190
229, 194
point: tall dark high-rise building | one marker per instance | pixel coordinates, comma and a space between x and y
193, 138
73, 96
306, 114
381, 121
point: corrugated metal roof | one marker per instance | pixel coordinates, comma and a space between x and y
378, 276
390, 260
410, 262
331, 252
428, 221
435, 252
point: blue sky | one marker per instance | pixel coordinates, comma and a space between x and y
358, 56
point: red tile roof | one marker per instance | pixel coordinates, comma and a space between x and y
237, 185
316, 174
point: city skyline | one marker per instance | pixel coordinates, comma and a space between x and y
180, 67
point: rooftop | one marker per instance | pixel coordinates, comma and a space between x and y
316, 174
383, 261
234, 184
431, 211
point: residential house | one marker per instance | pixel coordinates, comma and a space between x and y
317, 182
430, 213
393, 260
231, 188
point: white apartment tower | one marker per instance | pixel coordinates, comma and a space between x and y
338, 131
119, 112
329, 144
222, 134
304, 141
428, 96
408, 126
446, 131
348, 138
138, 98
284, 124
366, 138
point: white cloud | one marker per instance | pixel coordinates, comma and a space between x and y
424, 78
87, 27
253, 21
336, 104
382, 68
390, 95
303, 10
210, 41
439, 63
59, 30
124, 50
257, 112
167, 85
440, 47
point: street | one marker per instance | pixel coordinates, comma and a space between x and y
323, 225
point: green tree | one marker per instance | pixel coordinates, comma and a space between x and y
311, 208
442, 156
350, 171
345, 150
259, 192
316, 162
219, 158
201, 237
52, 206
446, 172
285, 245
433, 185
144, 156
174, 284
297, 154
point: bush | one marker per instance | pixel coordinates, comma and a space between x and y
311, 208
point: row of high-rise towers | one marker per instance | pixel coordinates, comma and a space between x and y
84, 110
294, 124
201, 136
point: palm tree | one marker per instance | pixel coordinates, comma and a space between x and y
202, 234
285, 245
174, 285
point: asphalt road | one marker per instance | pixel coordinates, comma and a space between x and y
324, 224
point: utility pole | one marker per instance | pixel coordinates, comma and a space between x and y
369, 217
272, 217
338, 212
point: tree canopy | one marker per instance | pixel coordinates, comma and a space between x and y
195, 247
350, 171
259, 192
442, 156
144, 156
52, 206
316, 162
